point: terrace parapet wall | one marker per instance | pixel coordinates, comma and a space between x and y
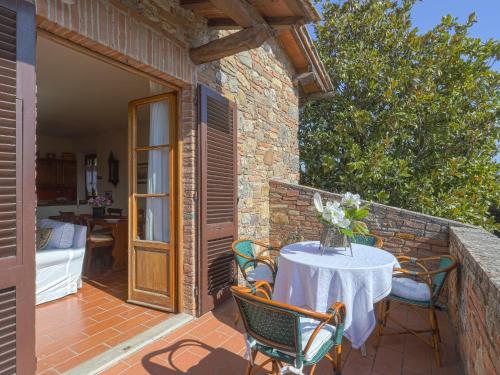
294, 218
474, 299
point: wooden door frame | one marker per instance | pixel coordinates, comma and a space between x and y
174, 192
146, 74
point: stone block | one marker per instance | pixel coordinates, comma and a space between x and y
405, 236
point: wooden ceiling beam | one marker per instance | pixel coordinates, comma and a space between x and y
194, 4
255, 32
239, 11
304, 78
243, 40
274, 22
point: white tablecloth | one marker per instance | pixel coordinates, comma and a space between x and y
308, 279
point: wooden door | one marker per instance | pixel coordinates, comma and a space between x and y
152, 201
17, 187
218, 193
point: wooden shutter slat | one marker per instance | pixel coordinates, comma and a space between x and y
218, 215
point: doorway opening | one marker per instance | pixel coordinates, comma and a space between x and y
106, 211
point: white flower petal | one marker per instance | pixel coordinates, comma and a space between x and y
318, 202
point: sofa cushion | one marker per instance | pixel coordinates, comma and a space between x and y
62, 233
42, 238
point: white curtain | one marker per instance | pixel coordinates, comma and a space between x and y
157, 209
91, 178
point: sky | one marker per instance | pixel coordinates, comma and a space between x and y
428, 13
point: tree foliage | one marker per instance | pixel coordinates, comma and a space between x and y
414, 118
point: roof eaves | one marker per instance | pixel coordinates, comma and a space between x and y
306, 43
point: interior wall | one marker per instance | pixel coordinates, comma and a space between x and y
101, 144
115, 141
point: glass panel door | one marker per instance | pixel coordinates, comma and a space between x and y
151, 202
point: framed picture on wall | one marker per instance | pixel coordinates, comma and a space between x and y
108, 195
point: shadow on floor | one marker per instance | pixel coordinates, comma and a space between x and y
216, 360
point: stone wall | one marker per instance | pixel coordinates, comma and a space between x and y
293, 218
474, 299
260, 83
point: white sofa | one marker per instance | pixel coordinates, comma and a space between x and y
59, 270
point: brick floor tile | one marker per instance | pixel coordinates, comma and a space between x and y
185, 361
102, 325
83, 325
125, 336
388, 361
446, 370
59, 344
116, 370
80, 358
54, 359
48, 372
94, 340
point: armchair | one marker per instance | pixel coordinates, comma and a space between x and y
418, 289
291, 337
253, 263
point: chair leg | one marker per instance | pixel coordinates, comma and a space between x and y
338, 360
250, 361
380, 321
313, 369
386, 310
435, 336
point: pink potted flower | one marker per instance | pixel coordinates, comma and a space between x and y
99, 204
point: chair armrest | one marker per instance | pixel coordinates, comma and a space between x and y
264, 288
336, 315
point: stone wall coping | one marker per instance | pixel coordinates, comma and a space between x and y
402, 211
481, 250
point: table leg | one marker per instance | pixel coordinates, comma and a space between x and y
363, 350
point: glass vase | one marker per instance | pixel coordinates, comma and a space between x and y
333, 239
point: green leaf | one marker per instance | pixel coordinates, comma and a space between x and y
414, 118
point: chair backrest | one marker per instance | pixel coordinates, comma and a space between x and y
364, 239
243, 253
68, 216
447, 263
115, 211
271, 324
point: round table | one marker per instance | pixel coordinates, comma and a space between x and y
310, 280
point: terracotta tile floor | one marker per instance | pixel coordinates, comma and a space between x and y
73, 329
212, 345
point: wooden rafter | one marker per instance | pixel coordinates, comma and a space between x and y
240, 11
274, 22
255, 32
240, 41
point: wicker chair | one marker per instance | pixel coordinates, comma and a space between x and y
368, 239
417, 289
288, 336
255, 265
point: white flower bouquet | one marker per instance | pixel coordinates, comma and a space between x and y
344, 216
